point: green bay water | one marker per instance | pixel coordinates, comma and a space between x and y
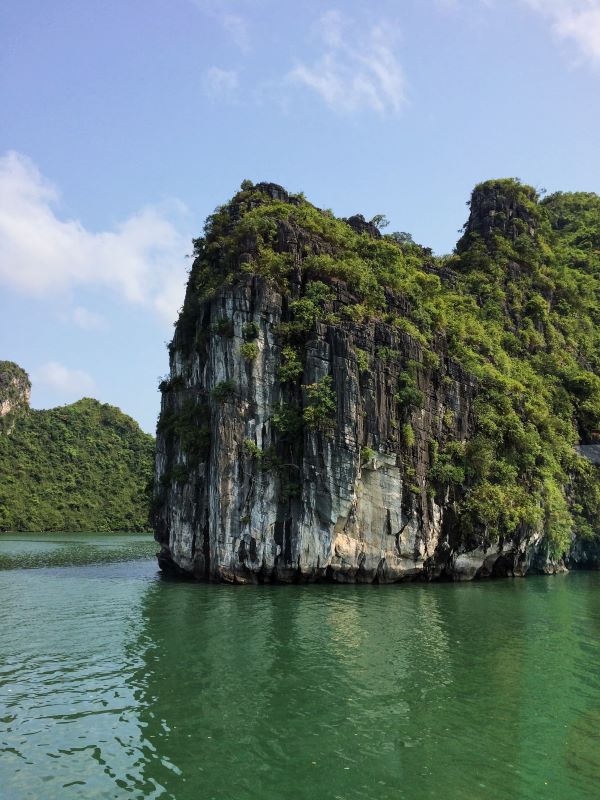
116, 683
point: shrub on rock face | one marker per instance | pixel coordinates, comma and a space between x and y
224, 327
249, 351
366, 455
321, 405
362, 359
251, 449
291, 366
250, 331
408, 434
223, 391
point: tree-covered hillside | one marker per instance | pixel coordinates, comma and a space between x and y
81, 467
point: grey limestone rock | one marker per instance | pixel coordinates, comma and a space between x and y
243, 495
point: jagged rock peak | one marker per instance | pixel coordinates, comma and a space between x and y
273, 190
360, 225
504, 206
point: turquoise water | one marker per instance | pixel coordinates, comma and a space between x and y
117, 683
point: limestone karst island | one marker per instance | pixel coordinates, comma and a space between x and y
300, 400
342, 405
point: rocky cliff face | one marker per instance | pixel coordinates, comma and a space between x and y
300, 439
15, 391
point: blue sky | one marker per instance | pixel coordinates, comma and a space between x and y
125, 122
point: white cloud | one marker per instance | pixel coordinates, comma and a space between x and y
234, 24
220, 83
64, 380
236, 27
577, 21
141, 260
357, 70
88, 320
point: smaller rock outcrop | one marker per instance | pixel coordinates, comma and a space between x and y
360, 225
505, 206
15, 391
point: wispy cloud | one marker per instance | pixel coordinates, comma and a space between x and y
577, 21
88, 320
141, 260
220, 83
233, 23
574, 21
62, 379
357, 70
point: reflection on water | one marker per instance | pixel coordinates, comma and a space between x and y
30, 551
117, 683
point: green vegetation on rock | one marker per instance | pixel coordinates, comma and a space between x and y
515, 307
321, 404
249, 350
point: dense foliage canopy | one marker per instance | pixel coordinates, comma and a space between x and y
82, 467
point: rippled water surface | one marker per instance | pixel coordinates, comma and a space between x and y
115, 683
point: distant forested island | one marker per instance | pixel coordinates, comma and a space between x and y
80, 467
